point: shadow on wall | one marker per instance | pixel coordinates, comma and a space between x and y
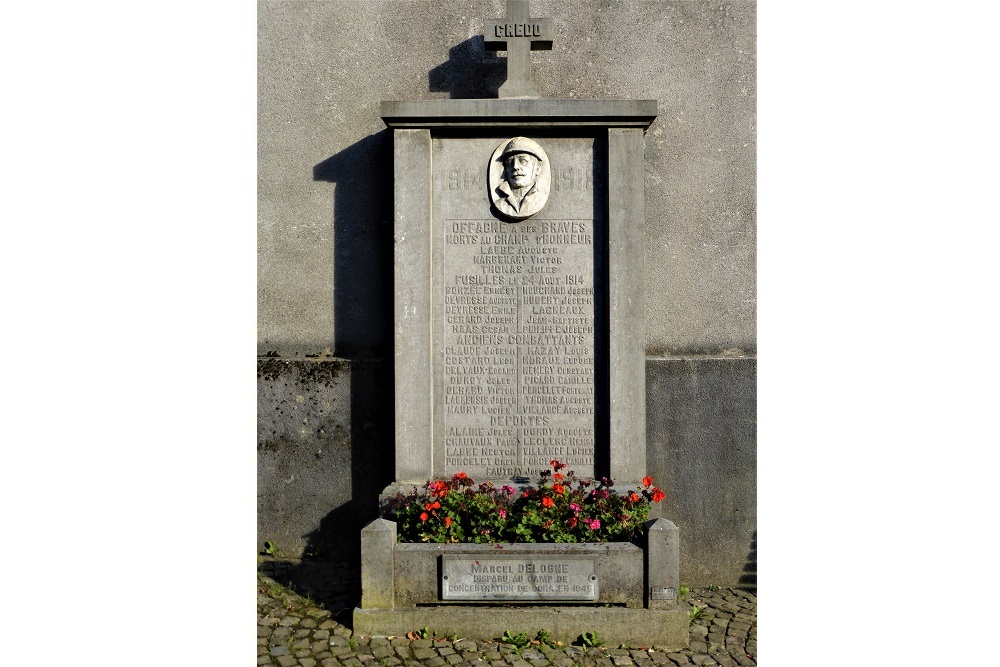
471, 72
362, 307
362, 245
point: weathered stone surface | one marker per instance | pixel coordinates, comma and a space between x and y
378, 565
701, 441
632, 626
424, 653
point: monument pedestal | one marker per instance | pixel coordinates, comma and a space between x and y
624, 592
519, 339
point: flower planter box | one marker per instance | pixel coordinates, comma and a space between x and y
624, 592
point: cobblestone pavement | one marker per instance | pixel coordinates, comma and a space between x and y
310, 627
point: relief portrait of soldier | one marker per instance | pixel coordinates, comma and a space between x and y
519, 178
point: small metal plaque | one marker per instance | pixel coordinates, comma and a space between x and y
515, 577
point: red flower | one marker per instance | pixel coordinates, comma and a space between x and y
447, 521
658, 495
547, 502
424, 516
633, 497
647, 481
559, 489
558, 476
571, 522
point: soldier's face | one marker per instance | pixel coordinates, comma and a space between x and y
522, 169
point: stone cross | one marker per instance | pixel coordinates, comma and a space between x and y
517, 34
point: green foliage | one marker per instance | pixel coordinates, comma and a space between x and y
696, 613
561, 509
589, 639
682, 593
713, 587
519, 640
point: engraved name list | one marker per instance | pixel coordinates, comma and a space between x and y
518, 337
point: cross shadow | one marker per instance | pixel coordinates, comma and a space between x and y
471, 72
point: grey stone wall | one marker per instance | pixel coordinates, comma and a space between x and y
701, 447
325, 243
324, 167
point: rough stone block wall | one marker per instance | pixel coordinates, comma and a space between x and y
701, 446
321, 448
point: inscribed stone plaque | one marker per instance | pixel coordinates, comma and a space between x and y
515, 577
514, 324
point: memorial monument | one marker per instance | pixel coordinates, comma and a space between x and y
519, 339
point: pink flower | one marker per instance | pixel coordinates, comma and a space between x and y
502, 513
594, 524
575, 507
506, 488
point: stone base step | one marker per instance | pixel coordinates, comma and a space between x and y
666, 628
